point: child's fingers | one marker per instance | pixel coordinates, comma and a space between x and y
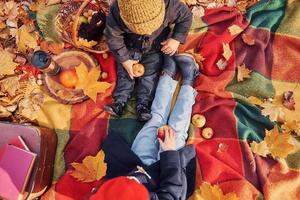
164, 42
160, 142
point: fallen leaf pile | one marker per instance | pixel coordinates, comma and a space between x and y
211, 192
88, 81
91, 169
241, 5
275, 143
20, 101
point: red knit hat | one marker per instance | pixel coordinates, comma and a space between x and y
121, 188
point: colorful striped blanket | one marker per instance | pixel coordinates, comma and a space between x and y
267, 41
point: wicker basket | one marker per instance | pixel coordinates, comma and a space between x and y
68, 20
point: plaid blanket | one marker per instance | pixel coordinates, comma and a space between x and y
226, 159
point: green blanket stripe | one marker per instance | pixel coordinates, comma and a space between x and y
251, 124
258, 86
291, 22
126, 128
59, 163
267, 14
198, 25
293, 160
129, 111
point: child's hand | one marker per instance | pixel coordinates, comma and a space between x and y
170, 46
128, 66
169, 142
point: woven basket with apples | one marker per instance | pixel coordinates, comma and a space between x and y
81, 23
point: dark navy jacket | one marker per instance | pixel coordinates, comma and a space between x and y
170, 178
120, 39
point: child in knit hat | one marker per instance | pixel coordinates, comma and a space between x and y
137, 32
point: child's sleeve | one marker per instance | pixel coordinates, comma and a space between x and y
114, 36
171, 184
182, 20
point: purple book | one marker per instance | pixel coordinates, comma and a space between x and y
15, 168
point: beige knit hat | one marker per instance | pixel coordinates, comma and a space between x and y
142, 16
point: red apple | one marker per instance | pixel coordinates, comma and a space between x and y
161, 132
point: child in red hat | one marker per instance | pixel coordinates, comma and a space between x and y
136, 185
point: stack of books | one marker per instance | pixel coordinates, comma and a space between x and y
16, 163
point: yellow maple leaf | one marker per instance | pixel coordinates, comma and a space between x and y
255, 100
211, 192
274, 111
260, 148
227, 53
26, 40
88, 81
235, 29
91, 169
278, 143
86, 43
292, 126
7, 65
243, 72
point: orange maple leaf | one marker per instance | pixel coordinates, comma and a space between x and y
91, 169
211, 192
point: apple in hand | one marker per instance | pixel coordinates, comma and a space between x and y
198, 120
161, 132
138, 70
68, 78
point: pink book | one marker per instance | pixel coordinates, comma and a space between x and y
15, 168
18, 142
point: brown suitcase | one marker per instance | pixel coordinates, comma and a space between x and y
41, 141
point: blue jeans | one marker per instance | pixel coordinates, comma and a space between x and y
146, 145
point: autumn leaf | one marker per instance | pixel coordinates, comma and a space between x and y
91, 169
38, 5
227, 53
248, 39
288, 100
88, 81
278, 143
260, 148
235, 29
86, 43
11, 10
56, 48
10, 85
274, 111
26, 40
243, 72
211, 192
255, 100
292, 126
221, 64
7, 65
190, 2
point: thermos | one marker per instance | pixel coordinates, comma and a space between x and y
43, 61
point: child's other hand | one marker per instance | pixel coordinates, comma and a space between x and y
169, 143
128, 66
170, 46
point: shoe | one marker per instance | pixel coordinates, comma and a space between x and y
169, 67
189, 68
115, 109
144, 113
